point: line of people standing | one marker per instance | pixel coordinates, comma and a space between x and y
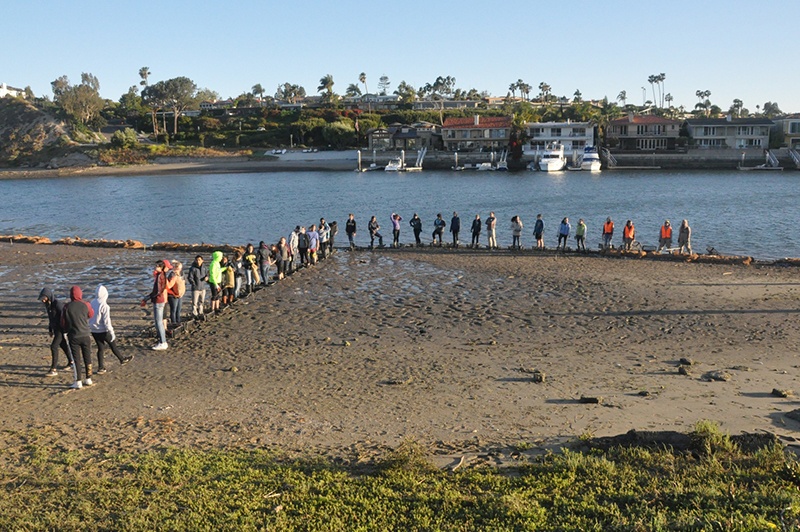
564, 232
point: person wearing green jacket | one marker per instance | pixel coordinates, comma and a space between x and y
215, 279
580, 236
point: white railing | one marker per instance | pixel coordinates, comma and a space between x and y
795, 157
772, 161
611, 161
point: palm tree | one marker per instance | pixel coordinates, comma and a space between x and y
661, 78
353, 90
668, 97
652, 80
544, 91
622, 97
513, 89
737, 107
144, 73
525, 89
577, 96
363, 79
326, 84
258, 90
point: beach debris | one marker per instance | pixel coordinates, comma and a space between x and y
794, 414
741, 368
686, 362
591, 400
399, 382
781, 393
346, 343
536, 375
232, 369
718, 375
684, 371
644, 393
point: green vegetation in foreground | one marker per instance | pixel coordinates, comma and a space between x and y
717, 487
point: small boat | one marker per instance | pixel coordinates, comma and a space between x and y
482, 167
395, 164
553, 159
591, 159
502, 166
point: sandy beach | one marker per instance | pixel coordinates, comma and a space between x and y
369, 349
297, 161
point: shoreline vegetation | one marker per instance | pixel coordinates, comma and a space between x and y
715, 482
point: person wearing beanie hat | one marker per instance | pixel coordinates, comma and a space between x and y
75, 322
55, 307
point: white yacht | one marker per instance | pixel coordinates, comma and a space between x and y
395, 164
553, 159
591, 159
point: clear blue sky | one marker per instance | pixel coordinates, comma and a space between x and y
735, 49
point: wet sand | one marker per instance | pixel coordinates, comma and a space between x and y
369, 349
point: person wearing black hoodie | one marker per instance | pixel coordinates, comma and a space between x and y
75, 322
54, 308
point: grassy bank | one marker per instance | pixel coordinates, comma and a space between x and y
715, 487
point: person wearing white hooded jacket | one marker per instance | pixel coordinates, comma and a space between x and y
103, 331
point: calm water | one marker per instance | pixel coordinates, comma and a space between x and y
754, 213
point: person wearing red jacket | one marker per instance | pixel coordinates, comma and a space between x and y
75, 323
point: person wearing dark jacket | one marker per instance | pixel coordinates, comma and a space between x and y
54, 309
75, 322
455, 227
264, 261
198, 277
476, 231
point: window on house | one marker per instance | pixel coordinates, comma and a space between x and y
579, 132
794, 127
555, 132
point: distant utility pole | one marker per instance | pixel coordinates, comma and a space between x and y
644, 96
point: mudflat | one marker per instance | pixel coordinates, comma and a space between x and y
368, 349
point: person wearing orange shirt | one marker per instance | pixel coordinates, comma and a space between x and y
628, 234
608, 233
665, 238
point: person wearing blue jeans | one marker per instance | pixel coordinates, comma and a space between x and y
159, 298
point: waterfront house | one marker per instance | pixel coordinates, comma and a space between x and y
405, 137
375, 102
638, 132
790, 125
479, 133
729, 132
13, 92
433, 104
574, 136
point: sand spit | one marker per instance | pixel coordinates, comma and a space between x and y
468, 353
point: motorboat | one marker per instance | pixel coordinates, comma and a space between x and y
482, 167
395, 164
591, 159
553, 159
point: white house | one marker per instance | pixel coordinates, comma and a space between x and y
574, 136
5, 90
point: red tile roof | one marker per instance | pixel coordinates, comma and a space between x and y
483, 122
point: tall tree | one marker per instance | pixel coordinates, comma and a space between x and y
652, 79
383, 84
363, 79
59, 85
153, 97
771, 110
622, 97
258, 90
513, 89
179, 94
406, 92
326, 86
577, 96
544, 91
144, 73
82, 102
352, 90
